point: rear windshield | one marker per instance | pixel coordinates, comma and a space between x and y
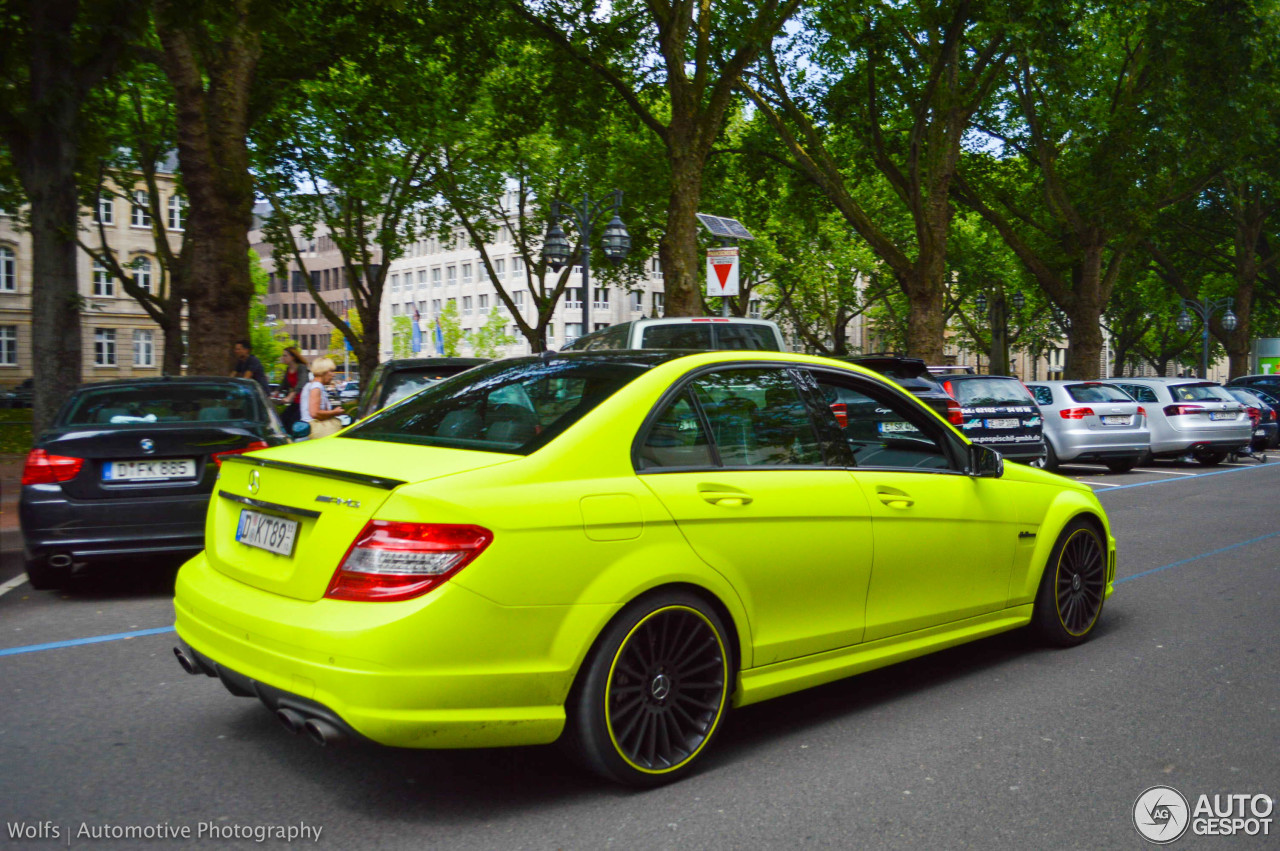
1097, 393
677, 336
989, 391
513, 406
741, 336
1199, 393
403, 384
161, 403
913, 376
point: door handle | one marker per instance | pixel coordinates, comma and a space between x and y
894, 498
725, 499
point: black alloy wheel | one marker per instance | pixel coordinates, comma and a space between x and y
1073, 587
655, 691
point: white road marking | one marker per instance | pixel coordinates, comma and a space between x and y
1098, 484
1164, 472
12, 583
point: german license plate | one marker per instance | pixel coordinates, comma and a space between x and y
267, 532
1115, 420
1222, 415
896, 427
1012, 422
150, 469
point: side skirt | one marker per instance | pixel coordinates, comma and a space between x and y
757, 684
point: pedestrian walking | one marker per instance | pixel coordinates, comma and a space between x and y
291, 381
248, 365
315, 406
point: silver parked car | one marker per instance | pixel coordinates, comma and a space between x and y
1190, 415
1091, 421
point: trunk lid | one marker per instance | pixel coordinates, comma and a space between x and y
325, 491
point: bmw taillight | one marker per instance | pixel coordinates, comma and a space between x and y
397, 561
841, 410
1075, 413
955, 414
45, 469
257, 444
1181, 410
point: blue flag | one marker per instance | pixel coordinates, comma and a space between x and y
417, 332
439, 338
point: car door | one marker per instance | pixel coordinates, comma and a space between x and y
734, 457
944, 541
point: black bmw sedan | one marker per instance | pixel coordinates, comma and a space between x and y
127, 468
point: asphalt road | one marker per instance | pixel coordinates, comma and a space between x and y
997, 744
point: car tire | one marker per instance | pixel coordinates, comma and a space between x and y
42, 577
1121, 465
1051, 461
1072, 588
1210, 459
635, 716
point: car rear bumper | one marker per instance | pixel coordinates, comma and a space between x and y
439, 671
1225, 439
1095, 443
90, 530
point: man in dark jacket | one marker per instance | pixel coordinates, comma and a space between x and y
248, 365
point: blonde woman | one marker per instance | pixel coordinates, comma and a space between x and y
314, 404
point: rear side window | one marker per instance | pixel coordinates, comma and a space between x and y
508, 406
1199, 393
1043, 395
677, 438
162, 403
1096, 393
989, 391
1140, 392
757, 419
677, 336
745, 337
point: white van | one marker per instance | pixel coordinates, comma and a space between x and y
685, 332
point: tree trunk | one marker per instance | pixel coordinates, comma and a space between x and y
1249, 220
49, 179
926, 316
678, 248
172, 330
213, 124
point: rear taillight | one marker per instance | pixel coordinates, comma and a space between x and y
1181, 410
946, 385
1142, 412
1255, 414
955, 414
841, 410
1075, 413
257, 444
396, 561
45, 469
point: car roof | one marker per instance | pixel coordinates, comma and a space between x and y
168, 379
430, 363
1165, 380
1062, 382
969, 377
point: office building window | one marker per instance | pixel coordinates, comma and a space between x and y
106, 211
602, 297
141, 209
435, 307
144, 348
753, 308
466, 273
422, 277
177, 212
435, 277
8, 345
8, 270
103, 283
659, 302
572, 331
484, 304
451, 275
104, 347
500, 267
637, 301
518, 297
466, 305
142, 273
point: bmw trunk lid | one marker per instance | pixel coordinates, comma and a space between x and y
282, 520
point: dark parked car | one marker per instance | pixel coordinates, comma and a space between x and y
396, 379
1266, 430
913, 374
18, 396
1000, 412
127, 468
1269, 383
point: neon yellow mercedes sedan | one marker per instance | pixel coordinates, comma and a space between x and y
612, 549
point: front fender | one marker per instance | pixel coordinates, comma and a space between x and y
1064, 506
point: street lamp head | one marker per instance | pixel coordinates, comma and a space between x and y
1229, 321
1019, 301
981, 301
555, 248
1184, 321
617, 242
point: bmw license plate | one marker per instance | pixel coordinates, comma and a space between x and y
151, 469
1011, 422
1222, 415
1115, 420
894, 427
267, 532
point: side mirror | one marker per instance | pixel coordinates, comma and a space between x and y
985, 462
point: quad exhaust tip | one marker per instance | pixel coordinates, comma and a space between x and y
290, 720
188, 664
323, 733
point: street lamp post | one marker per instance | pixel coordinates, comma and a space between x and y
999, 318
616, 241
1205, 308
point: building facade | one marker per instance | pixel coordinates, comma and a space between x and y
119, 339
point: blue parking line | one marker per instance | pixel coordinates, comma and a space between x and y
1111, 488
1225, 549
54, 645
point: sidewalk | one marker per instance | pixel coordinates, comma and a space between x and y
10, 485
